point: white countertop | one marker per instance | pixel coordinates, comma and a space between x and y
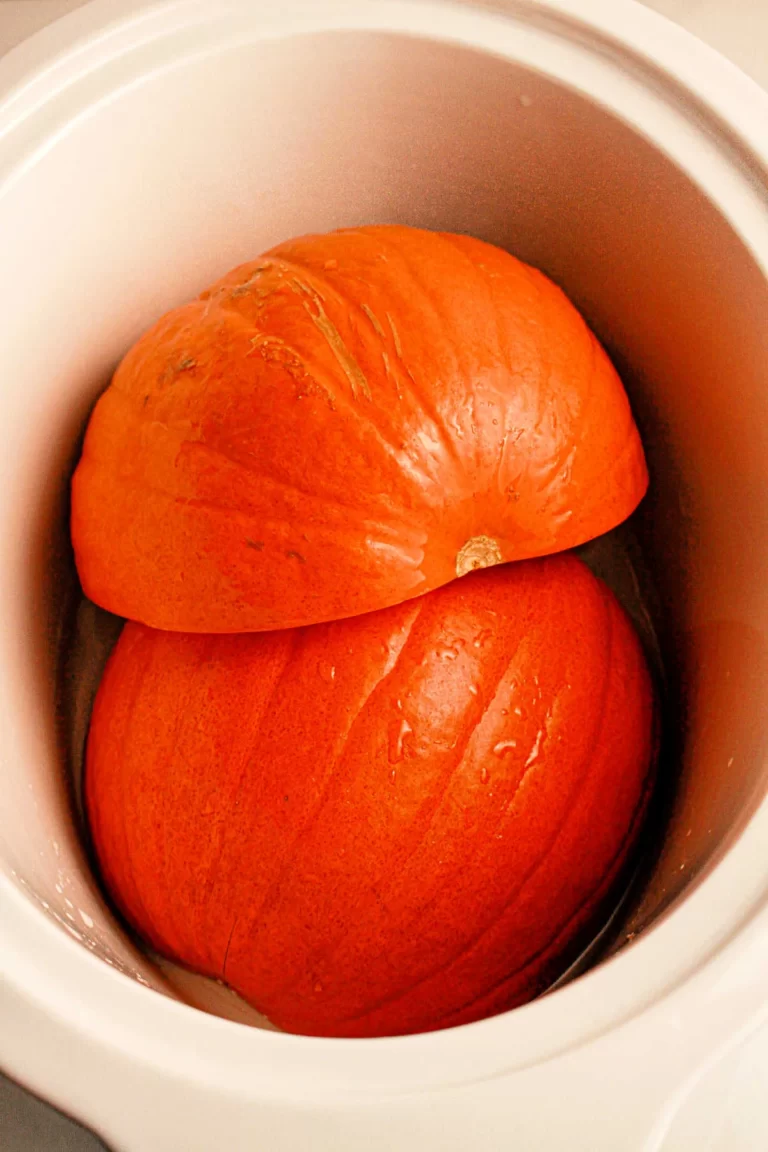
738, 28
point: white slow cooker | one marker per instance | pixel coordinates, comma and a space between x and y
145, 149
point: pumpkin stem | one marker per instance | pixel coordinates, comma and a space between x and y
478, 552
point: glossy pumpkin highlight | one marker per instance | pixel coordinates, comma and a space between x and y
394, 823
348, 422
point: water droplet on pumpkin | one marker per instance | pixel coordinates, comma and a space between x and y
327, 672
472, 690
393, 776
495, 421
484, 774
518, 711
503, 747
482, 638
504, 712
450, 651
397, 737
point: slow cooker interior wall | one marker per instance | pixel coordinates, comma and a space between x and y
350, 128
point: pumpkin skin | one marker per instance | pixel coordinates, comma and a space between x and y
346, 423
389, 824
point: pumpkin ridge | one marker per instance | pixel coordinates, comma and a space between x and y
419, 395
307, 493
481, 275
417, 914
127, 855
596, 351
472, 943
629, 445
422, 401
392, 449
248, 760
162, 876
230, 511
385, 882
295, 637
603, 886
272, 891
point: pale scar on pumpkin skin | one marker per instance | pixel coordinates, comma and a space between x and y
478, 552
352, 370
379, 330
354, 373
395, 336
244, 289
373, 319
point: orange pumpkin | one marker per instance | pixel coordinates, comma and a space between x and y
348, 422
387, 824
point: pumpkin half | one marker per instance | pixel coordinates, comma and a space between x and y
388, 824
350, 421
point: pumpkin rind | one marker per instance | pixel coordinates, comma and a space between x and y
326, 430
383, 825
